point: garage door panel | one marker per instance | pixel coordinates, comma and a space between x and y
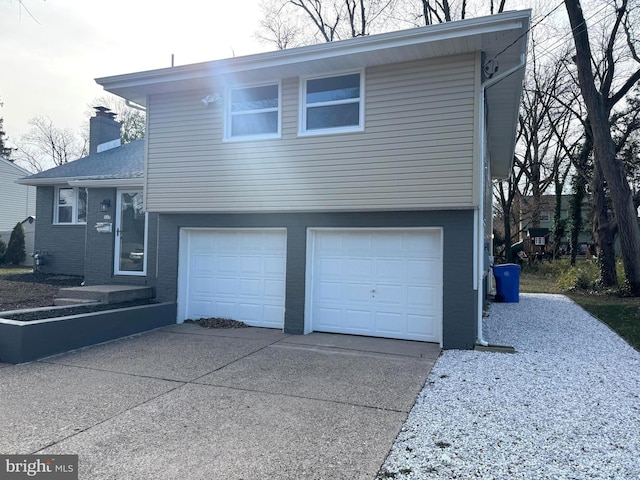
250, 287
356, 292
421, 325
358, 321
358, 267
390, 323
328, 317
386, 244
329, 267
274, 289
377, 282
389, 294
274, 266
329, 291
237, 274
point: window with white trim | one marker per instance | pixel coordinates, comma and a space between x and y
253, 112
70, 205
333, 104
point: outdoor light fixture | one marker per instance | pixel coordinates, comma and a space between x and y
214, 98
105, 205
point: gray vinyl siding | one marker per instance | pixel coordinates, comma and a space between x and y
417, 150
18, 201
460, 301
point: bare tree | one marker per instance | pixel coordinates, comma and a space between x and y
45, 146
289, 23
599, 103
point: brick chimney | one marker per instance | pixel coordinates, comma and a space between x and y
103, 128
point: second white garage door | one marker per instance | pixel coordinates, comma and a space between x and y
376, 282
233, 273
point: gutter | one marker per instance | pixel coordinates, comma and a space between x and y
479, 223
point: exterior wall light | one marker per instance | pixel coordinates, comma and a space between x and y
105, 205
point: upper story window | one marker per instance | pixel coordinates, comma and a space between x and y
333, 104
254, 112
70, 205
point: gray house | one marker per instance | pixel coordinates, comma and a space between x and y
92, 221
342, 187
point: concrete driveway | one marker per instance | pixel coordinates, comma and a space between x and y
184, 402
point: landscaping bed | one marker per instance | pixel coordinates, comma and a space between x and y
24, 289
40, 314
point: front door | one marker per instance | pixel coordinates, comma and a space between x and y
131, 234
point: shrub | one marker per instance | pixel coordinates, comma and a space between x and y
3, 251
581, 276
16, 249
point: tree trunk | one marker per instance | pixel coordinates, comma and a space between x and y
604, 231
576, 215
604, 151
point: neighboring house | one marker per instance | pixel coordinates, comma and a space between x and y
544, 212
18, 202
342, 187
91, 219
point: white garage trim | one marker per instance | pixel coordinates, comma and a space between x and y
236, 273
383, 282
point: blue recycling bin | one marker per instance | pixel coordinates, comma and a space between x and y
507, 282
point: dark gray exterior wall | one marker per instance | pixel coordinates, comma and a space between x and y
64, 245
459, 299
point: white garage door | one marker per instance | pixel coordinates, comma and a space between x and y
383, 283
237, 274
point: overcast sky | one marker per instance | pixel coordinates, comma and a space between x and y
48, 65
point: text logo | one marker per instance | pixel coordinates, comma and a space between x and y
49, 467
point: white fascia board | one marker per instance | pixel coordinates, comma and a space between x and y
83, 182
108, 183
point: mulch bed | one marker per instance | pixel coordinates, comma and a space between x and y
73, 310
218, 323
32, 290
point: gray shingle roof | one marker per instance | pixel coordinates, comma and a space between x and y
126, 161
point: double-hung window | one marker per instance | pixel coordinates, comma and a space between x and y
70, 205
332, 104
253, 112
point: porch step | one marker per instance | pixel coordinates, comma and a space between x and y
72, 301
107, 293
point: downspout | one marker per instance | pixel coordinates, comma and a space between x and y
480, 212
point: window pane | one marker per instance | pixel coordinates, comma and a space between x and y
254, 98
82, 205
254, 124
333, 88
64, 214
65, 196
346, 115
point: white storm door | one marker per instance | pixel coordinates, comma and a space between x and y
131, 234
377, 282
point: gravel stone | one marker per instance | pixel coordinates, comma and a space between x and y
566, 405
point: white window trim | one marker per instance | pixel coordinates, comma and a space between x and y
302, 114
228, 114
74, 207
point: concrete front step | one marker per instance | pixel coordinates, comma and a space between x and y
73, 301
107, 293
